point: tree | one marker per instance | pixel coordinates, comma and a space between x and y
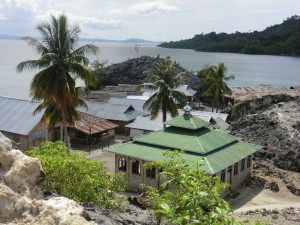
100, 73
60, 64
214, 82
195, 197
165, 98
76, 177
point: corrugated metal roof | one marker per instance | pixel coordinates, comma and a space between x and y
213, 163
198, 141
136, 103
183, 88
16, 115
145, 123
91, 124
188, 121
111, 111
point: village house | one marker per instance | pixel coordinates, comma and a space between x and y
116, 113
18, 122
223, 154
26, 129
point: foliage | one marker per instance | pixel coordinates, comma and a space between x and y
74, 176
59, 65
283, 38
214, 81
164, 81
196, 198
100, 73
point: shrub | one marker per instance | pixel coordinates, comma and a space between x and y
196, 198
74, 176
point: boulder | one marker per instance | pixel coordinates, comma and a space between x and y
21, 195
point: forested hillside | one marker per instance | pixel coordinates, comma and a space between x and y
281, 39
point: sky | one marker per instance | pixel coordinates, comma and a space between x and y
155, 20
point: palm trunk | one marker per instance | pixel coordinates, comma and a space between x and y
164, 116
64, 123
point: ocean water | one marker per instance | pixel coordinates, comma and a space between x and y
249, 70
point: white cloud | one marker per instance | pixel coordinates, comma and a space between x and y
146, 8
88, 21
156, 6
26, 5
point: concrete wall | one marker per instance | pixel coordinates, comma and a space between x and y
236, 179
38, 134
134, 180
135, 132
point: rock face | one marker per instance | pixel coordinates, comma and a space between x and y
21, 194
132, 72
276, 128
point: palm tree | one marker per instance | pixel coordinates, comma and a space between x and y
214, 82
165, 98
59, 65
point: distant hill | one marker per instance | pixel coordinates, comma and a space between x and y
130, 40
281, 39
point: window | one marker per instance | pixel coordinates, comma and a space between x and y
243, 165
223, 176
136, 167
122, 164
151, 172
249, 161
236, 169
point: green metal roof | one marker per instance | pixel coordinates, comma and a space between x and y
196, 138
198, 141
213, 162
188, 121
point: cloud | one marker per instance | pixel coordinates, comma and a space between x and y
150, 7
88, 21
26, 5
146, 8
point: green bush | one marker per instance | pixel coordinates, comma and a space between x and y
74, 176
197, 198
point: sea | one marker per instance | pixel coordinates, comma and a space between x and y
249, 70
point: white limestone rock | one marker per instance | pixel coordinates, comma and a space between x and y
21, 194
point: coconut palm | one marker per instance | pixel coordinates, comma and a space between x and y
61, 62
214, 78
164, 81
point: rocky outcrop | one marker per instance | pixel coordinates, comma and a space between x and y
255, 105
21, 195
276, 129
132, 72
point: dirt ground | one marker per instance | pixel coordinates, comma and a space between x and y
256, 203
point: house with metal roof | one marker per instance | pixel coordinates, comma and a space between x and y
223, 154
143, 124
20, 124
116, 113
190, 93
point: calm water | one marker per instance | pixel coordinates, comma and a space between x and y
250, 70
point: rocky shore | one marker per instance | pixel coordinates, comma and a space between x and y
132, 72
